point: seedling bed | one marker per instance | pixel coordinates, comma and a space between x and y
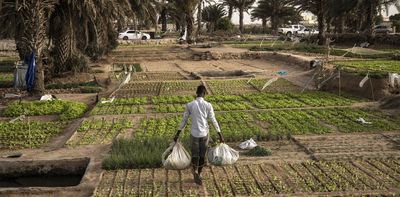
281, 85
99, 131
327, 178
27, 134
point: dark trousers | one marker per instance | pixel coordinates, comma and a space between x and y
199, 150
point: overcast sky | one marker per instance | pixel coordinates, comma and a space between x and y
247, 19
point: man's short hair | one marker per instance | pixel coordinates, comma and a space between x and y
201, 90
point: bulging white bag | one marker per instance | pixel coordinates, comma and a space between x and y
176, 157
222, 154
248, 144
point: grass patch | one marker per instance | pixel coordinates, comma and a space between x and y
259, 151
377, 68
66, 109
137, 153
6, 80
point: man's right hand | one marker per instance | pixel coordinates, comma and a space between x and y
177, 136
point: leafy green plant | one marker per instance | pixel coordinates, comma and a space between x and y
259, 151
66, 109
30, 134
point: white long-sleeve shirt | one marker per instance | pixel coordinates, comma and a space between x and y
199, 111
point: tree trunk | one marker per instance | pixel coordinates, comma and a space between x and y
341, 23
241, 17
264, 25
189, 25
371, 16
164, 20
230, 12
39, 76
199, 17
35, 18
321, 23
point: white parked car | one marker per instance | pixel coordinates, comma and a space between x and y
291, 30
133, 35
307, 32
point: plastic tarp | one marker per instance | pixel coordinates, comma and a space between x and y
30, 74
363, 81
248, 144
222, 154
19, 75
270, 82
176, 157
363, 121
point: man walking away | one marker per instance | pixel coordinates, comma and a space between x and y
199, 111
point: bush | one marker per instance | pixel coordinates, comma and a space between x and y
259, 151
225, 24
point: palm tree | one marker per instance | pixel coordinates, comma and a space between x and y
211, 14
93, 19
318, 8
278, 11
31, 17
242, 6
183, 12
230, 5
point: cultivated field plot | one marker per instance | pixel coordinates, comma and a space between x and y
231, 87
323, 178
153, 76
361, 146
32, 134
253, 101
99, 131
370, 65
281, 85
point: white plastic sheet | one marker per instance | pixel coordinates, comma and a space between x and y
222, 154
270, 82
248, 144
362, 82
108, 101
176, 157
363, 121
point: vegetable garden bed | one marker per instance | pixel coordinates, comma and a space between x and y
325, 178
32, 134
99, 131
66, 109
376, 67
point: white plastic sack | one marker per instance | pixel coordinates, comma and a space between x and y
47, 97
363, 81
248, 144
394, 79
176, 157
222, 154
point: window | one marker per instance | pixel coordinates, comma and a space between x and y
131, 32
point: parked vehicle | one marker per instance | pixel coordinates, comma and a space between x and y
133, 35
291, 30
382, 29
307, 32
